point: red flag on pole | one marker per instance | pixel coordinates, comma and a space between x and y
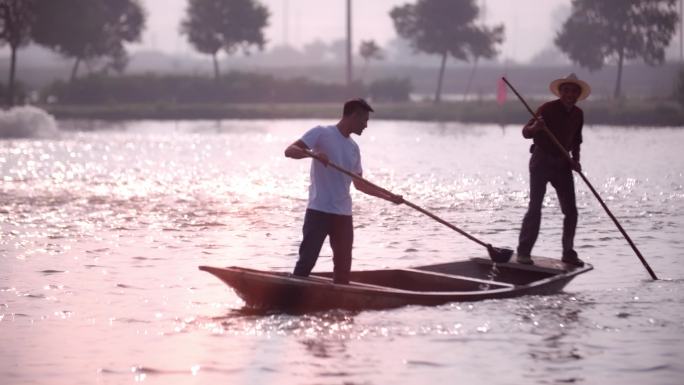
500, 91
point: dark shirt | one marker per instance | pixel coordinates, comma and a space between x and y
565, 125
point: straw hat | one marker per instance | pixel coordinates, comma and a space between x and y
573, 79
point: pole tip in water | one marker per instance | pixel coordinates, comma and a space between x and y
499, 255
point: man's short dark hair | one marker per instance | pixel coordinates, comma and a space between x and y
353, 105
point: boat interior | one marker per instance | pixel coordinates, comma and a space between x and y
476, 274
511, 272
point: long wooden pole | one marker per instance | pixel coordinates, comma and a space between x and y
567, 156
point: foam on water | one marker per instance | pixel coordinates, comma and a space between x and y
27, 122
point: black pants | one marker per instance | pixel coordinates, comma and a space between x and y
560, 177
317, 226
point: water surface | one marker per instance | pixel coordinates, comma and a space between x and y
104, 225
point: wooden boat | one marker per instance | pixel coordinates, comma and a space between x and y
469, 280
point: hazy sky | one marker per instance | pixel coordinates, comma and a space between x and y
529, 23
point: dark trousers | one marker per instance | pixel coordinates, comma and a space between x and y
317, 226
561, 179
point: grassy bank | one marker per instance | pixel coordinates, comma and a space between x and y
623, 113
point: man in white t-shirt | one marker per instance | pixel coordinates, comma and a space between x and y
329, 212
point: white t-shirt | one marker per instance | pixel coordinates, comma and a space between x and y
329, 189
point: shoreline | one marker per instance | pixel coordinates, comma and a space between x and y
658, 113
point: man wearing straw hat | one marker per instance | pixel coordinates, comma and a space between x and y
564, 120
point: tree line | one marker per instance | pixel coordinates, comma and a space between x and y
233, 87
598, 32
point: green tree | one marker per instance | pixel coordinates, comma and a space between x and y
16, 19
214, 25
602, 31
446, 28
679, 87
480, 47
369, 50
87, 30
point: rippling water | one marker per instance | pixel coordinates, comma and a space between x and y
104, 225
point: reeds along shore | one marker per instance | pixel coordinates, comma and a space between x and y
603, 112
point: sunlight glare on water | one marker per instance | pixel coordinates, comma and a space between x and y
104, 225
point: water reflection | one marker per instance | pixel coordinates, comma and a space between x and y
556, 346
338, 324
324, 347
102, 232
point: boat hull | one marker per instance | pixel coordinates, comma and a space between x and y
464, 281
